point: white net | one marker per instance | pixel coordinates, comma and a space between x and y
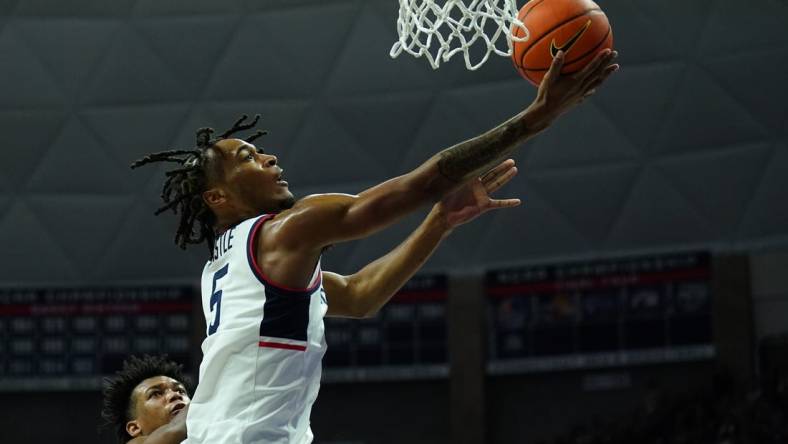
439, 29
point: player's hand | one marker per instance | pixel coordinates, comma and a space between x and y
473, 198
558, 93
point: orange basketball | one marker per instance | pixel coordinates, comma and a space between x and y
578, 27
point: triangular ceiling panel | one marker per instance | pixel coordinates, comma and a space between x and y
390, 122
69, 50
129, 133
37, 254
157, 8
284, 66
274, 5
310, 163
637, 36
735, 27
657, 214
721, 183
456, 126
704, 116
235, 80
534, 229
133, 74
312, 57
7, 8
682, 29
736, 73
190, 46
503, 100
767, 214
363, 65
785, 129
582, 137
82, 225
76, 162
5, 203
27, 135
156, 256
590, 198
28, 84
640, 115
386, 10
86, 8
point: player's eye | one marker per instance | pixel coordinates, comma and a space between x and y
250, 156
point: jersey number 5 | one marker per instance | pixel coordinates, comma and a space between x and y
216, 300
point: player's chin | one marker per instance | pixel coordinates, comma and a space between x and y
287, 201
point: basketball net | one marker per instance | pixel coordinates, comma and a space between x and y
438, 32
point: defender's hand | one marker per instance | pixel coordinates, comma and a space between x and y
558, 93
473, 199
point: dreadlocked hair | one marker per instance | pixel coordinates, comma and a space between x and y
183, 186
117, 407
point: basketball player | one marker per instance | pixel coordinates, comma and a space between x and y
146, 401
264, 294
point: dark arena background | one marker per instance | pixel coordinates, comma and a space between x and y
639, 294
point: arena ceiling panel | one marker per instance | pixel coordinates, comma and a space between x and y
686, 146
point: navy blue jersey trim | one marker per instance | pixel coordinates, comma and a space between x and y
285, 315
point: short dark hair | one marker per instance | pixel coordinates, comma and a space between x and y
117, 407
183, 186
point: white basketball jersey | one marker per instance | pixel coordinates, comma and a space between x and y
261, 365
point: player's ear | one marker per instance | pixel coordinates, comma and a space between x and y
214, 197
133, 428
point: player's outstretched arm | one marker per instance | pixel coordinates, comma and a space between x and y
557, 94
320, 220
173, 432
362, 294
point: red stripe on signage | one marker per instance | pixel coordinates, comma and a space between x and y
593, 282
16, 310
282, 346
421, 295
95, 308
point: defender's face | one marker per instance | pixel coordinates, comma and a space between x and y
155, 401
252, 179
